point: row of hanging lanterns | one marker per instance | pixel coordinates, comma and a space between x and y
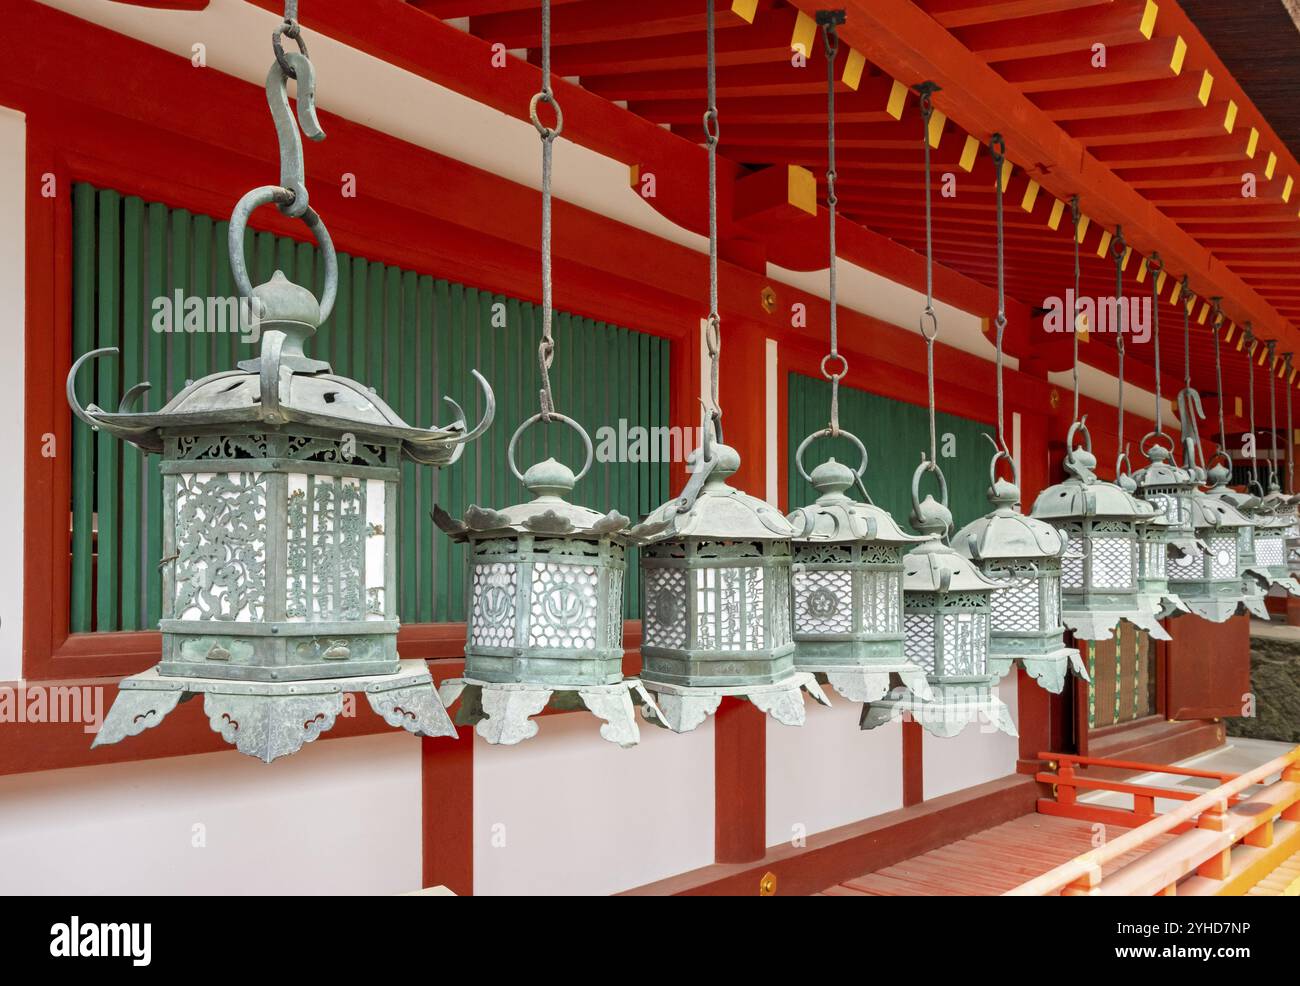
279, 592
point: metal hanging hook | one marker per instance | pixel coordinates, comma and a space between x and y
292, 168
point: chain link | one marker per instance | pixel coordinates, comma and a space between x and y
1117, 248
1077, 216
1250, 371
1216, 323
713, 329
1154, 266
829, 20
998, 149
1290, 433
929, 320
1271, 346
546, 347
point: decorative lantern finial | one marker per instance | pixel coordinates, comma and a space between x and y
280, 495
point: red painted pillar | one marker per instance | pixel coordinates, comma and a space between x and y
447, 803
913, 764
740, 728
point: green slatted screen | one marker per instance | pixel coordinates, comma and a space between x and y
410, 336
895, 435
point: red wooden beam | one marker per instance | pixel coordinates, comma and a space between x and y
1182, 92
1145, 62
597, 21
1057, 33
963, 13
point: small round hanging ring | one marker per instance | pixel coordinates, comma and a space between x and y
842, 367
826, 433
245, 207
555, 416
288, 29
1002, 455
712, 129
1079, 426
929, 324
1145, 448
928, 466
547, 133
1123, 465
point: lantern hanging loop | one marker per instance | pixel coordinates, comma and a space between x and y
562, 419
834, 366
713, 328
998, 150
1076, 216
546, 347
289, 28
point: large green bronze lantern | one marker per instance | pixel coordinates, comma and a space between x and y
848, 588
1172, 494
1024, 555
1099, 572
280, 483
947, 621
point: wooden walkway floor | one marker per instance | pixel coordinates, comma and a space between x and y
987, 863
1282, 882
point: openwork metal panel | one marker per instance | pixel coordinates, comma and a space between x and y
1072, 564
1112, 563
823, 601
664, 619
885, 424
1269, 550
411, 336
1223, 556
1015, 608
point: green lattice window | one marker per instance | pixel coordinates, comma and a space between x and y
895, 434
410, 336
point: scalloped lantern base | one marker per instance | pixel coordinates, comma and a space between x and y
502, 712
268, 720
681, 707
953, 708
869, 683
1100, 624
1049, 670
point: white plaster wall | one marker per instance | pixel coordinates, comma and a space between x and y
568, 813
339, 817
975, 755
829, 772
13, 240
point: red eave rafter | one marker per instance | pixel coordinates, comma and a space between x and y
909, 44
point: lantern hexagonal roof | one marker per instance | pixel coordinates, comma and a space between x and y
1006, 533
838, 518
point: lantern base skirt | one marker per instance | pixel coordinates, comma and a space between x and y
268, 720
271, 652
870, 682
1252, 601
553, 667
1164, 603
1049, 669
716, 668
502, 712
1092, 624
953, 708
1218, 602
1281, 580
682, 708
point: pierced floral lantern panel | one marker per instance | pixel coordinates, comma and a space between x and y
947, 622
715, 573
1024, 556
1274, 520
1254, 580
1099, 571
848, 589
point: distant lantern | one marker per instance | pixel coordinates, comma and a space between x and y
1254, 579
1024, 555
280, 485
1209, 577
715, 577
545, 607
1166, 532
947, 621
848, 587
1099, 572
1273, 519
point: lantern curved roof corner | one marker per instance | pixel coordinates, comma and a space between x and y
1076, 499
1005, 533
935, 567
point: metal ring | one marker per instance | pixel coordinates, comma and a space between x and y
934, 324
827, 433
928, 466
1219, 454
546, 132
1079, 426
555, 416
288, 29
844, 364
993, 468
712, 129
245, 207
1146, 450
1127, 462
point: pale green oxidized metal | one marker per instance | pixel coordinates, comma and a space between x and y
1099, 572
947, 619
847, 594
715, 573
280, 515
1169, 535
1024, 555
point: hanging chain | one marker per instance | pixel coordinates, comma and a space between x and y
1250, 376
1216, 323
834, 366
289, 28
1184, 295
1189, 401
1290, 433
1076, 215
1117, 248
713, 330
929, 321
1271, 347
546, 348
998, 149
1154, 266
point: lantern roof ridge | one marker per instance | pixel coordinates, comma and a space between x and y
1079, 499
936, 567
1006, 533
282, 387
837, 517
718, 511
1211, 511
